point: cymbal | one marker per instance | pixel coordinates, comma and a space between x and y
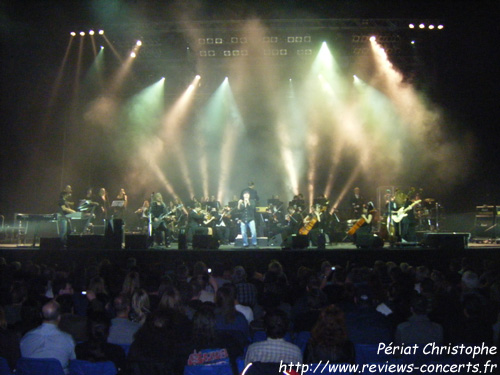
429, 200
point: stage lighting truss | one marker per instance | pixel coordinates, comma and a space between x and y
228, 46
390, 42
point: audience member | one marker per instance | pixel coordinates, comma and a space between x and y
48, 341
97, 349
418, 329
274, 349
329, 340
122, 328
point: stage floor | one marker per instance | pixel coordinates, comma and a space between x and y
438, 256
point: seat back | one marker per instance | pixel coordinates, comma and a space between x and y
39, 366
367, 353
301, 340
4, 367
79, 367
217, 369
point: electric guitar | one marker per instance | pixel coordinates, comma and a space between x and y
397, 216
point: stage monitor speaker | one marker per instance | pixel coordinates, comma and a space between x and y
275, 240
136, 241
51, 243
451, 240
114, 234
182, 240
88, 242
372, 241
296, 242
204, 241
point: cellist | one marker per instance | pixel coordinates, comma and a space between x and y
315, 224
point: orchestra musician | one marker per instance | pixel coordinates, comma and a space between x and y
64, 208
103, 211
357, 202
317, 223
246, 206
119, 211
158, 212
196, 220
143, 213
223, 224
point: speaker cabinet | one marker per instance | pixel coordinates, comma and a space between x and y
452, 240
204, 241
136, 241
485, 223
371, 240
51, 243
296, 242
87, 242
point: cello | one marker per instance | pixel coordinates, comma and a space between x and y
304, 231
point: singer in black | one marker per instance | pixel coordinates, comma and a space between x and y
159, 214
246, 206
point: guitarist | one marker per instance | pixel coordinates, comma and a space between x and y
158, 210
408, 223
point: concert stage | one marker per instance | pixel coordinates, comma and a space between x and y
437, 254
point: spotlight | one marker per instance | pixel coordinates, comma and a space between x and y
133, 55
102, 47
431, 27
411, 26
412, 42
440, 27
101, 32
91, 32
198, 76
139, 43
82, 33
72, 33
422, 26
373, 38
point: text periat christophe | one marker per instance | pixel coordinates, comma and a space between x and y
434, 349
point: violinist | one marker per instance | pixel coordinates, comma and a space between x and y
223, 224
196, 220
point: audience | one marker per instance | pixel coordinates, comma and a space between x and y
158, 307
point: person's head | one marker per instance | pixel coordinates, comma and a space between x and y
3, 320
419, 305
224, 300
330, 329
204, 325
171, 299
62, 286
68, 189
97, 285
239, 275
276, 322
140, 302
102, 192
51, 312
251, 184
98, 325
121, 304
66, 304
356, 190
470, 280
131, 283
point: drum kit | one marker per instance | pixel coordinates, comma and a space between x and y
427, 214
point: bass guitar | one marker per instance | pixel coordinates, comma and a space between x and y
400, 214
